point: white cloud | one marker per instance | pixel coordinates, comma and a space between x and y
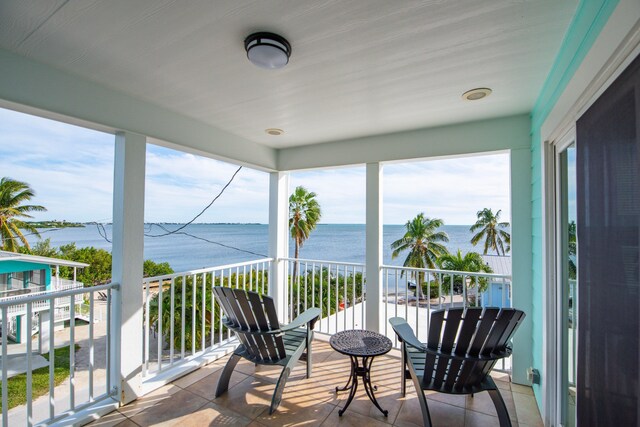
341, 193
180, 185
69, 168
451, 189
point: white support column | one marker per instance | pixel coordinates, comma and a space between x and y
373, 319
521, 261
128, 247
279, 240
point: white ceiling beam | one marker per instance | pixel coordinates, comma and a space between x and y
453, 140
36, 88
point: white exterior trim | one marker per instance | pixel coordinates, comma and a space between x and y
279, 241
128, 250
464, 139
13, 256
374, 235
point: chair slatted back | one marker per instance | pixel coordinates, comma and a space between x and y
248, 314
468, 334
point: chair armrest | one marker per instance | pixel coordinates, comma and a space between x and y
309, 316
405, 333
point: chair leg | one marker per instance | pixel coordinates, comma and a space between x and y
277, 393
403, 363
223, 382
426, 417
309, 345
284, 375
501, 408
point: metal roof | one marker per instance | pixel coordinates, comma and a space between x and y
13, 256
499, 264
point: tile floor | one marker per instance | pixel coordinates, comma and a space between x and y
189, 401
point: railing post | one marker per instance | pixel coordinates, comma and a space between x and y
128, 247
373, 305
279, 241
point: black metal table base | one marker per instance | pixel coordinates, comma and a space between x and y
352, 385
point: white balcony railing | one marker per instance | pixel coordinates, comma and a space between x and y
182, 320
89, 379
182, 327
337, 288
37, 306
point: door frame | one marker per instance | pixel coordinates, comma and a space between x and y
552, 397
553, 141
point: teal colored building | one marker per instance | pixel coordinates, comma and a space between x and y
21, 275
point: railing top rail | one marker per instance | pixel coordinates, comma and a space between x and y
57, 294
316, 261
204, 270
46, 292
435, 270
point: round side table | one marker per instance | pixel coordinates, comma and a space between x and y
359, 343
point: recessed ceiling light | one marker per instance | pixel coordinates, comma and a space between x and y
267, 50
476, 94
274, 131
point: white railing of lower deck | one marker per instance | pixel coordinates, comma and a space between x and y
64, 285
336, 288
188, 330
87, 384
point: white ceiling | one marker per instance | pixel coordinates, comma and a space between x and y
358, 68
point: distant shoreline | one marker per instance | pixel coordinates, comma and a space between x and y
56, 224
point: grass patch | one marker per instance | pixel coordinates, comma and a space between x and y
17, 386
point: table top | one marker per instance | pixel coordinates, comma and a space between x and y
360, 342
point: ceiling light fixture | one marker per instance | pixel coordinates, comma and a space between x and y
274, 131
476, 94
267, 50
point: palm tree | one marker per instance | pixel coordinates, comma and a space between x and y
12, 196
471, 262
489, 228
304, 215
424, 243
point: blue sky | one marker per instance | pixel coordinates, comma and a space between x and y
71, 170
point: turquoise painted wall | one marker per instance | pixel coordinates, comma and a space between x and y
18, 266
588, 21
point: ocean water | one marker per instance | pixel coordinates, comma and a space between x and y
213, 243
